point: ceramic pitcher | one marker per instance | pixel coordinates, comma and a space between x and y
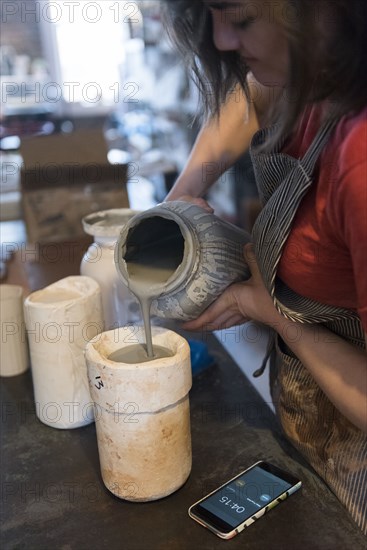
203, 253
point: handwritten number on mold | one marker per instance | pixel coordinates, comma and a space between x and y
100, 383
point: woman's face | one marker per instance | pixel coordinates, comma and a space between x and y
250, 28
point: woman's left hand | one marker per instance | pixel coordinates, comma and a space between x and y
240, 302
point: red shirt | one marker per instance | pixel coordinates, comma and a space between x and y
325, 256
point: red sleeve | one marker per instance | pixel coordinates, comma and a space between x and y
350, 209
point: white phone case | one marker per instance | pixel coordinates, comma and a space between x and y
249, 520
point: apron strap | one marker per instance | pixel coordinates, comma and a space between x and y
270, 347
307, 163
312, 154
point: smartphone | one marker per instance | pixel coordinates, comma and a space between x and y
245, 498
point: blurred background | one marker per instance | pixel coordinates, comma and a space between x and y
93, 84
97, 112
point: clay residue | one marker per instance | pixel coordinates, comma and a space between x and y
147, 459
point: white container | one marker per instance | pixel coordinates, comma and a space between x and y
120, 307
60, 320
142, 414
13, 349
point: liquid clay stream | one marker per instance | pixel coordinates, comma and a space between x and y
141, 283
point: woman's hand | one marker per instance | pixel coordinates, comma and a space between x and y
195, 200
337, 366
240, 302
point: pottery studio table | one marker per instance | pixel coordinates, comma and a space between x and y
53, 495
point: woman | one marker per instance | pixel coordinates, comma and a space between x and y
308, 264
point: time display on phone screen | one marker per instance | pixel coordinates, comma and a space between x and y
245, 495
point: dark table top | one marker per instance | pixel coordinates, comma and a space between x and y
53, 495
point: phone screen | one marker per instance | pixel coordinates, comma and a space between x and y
244, 496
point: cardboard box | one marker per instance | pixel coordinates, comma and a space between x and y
65, 177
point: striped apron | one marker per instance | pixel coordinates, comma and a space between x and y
335, 448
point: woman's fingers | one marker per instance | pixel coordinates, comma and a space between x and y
222, 322
198, 201
213, 312
223, 313
232, 321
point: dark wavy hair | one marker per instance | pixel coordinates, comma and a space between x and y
337, 72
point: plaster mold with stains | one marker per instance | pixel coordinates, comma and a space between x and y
141, 414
